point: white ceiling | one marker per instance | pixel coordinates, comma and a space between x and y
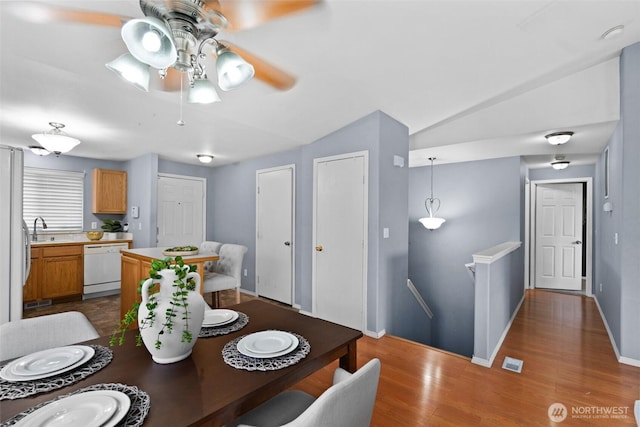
470, 79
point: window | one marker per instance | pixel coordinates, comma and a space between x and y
55, 195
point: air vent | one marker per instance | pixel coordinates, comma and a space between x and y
511, 364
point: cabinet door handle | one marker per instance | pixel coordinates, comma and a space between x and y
287, 243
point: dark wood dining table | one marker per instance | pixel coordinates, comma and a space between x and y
203, 389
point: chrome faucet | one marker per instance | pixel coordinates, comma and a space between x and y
35, 233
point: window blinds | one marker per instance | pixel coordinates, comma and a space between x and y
55, 195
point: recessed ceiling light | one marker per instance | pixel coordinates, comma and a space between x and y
558, 138
612, 32
205, 158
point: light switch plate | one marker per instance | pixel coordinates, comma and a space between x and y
135, 212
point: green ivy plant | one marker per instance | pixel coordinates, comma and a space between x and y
178, 303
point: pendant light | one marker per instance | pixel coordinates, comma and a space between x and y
432, 205
54, 140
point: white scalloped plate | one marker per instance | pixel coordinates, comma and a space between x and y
266, 344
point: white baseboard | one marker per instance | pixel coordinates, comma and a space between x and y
619, 358
376, 335
307, 313
487, 363
252, 293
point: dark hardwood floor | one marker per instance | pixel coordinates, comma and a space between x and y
561, 338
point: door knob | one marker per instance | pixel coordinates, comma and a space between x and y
319, 248
577, 242
287, 243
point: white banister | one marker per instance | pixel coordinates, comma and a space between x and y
418, 297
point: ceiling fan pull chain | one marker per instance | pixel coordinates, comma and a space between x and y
180, 122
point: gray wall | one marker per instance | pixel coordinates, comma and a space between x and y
617, 266
142, 183
231, 209
483, 204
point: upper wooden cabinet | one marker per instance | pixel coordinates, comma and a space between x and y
109, 191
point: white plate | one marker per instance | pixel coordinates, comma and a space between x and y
46, 363
219, 317
100, 408
267, 344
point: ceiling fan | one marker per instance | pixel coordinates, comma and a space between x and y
174, 35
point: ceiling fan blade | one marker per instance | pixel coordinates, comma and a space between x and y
243, 14
268, 73
41, 13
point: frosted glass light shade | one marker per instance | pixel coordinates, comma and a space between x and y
232, 70
431, 223
56, 143
558, 138
131, 70
150, 41
40, 151
202, 92
560, 165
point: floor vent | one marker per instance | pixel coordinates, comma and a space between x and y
511, 364
35, 304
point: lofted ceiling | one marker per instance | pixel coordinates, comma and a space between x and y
470, 79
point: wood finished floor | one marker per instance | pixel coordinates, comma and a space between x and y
567, 356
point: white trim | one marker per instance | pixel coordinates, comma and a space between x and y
621, 359
204, 198
527, 231
376, 335
365, 249
487, 363
307, 313
530, 264
493, 254
291, 166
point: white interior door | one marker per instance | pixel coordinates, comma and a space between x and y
558, 259
181, 211
274, 233
340, 226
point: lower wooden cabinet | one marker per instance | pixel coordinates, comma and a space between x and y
56, 272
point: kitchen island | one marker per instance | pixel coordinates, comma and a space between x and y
136, 264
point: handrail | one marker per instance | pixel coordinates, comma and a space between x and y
418, 297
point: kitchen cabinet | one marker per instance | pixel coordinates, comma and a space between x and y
56, 273
109, 194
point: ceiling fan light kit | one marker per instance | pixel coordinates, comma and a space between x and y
54, 140
173, 34
558, 138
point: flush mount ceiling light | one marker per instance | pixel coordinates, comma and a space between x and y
205, 158
173, 35
560, 163
36, 149
558, 138
432, 206
54, 140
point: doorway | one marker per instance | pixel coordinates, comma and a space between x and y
181, 210
275, 233
339, 262
539, 261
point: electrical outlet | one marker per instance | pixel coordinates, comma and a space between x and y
245, 272
94, 225
139, 226
600, 287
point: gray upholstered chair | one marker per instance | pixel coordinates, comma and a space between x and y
25, 336
228, 270
349, 402
210, 246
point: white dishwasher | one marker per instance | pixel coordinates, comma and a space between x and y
102, 269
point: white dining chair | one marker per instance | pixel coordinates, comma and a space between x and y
228, 271
348, 402
210, 246
25, 336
